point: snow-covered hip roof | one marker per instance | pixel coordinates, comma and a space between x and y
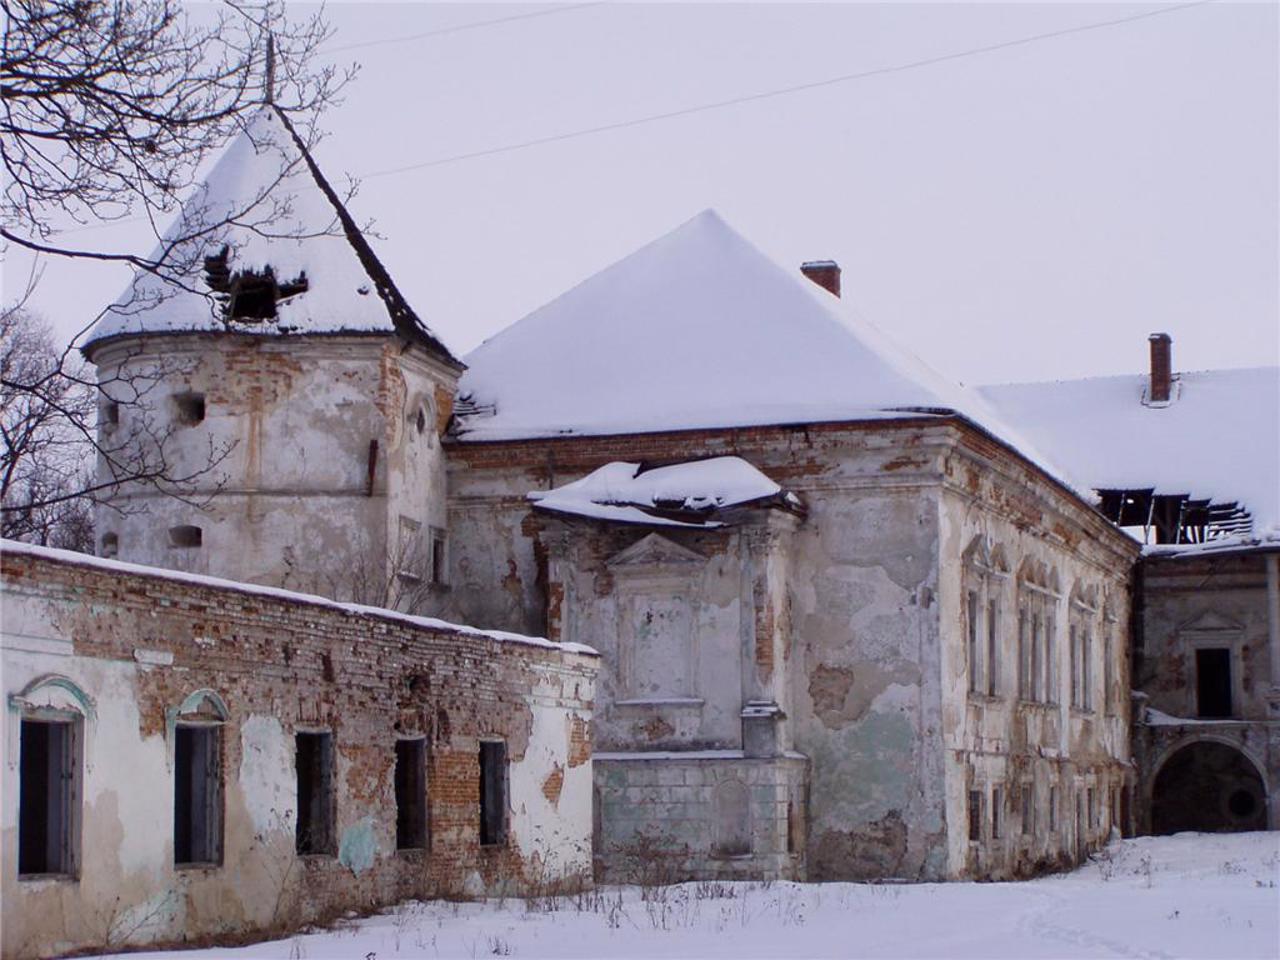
271, 209
1217, 439
699, 329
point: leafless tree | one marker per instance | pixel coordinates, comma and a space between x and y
108, 109
46, 463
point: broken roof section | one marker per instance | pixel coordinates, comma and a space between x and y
283, 256
697, 493
1217, 440
699, 329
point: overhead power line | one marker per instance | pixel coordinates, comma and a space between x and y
718, 104
475, 25
784, 91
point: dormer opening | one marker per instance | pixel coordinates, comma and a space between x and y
249, 295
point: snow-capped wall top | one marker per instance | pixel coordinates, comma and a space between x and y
699, 329
679, 494
276, 212
1218, 439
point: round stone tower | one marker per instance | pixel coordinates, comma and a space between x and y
275, 415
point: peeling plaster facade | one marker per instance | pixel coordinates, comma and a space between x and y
124, 654
818, 660
317, 465
1198, 770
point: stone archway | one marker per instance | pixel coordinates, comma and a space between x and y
1210, 787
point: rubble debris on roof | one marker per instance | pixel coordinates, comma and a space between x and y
287, 257
697, 493
1204, 467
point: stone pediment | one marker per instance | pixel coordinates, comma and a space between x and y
1211, 622
655, 551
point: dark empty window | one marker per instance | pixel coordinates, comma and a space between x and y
314, 761
1213, 682
189, 408
110, 414
975, 815
1028, 810
972, 627
437, 559
47, 797
185, 536
110, 545
993, 650
997, 800
411, 794
197, 795
493, 792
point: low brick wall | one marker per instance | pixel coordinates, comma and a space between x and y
664, 817
122, 651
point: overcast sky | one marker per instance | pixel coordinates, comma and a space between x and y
1031, 212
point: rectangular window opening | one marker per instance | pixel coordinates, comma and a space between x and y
1213, 682
972, 626
1028, 810
438, 569
493, 793
1053, 809
47, 797
197, 795
993, 651
1024, 658
411, 794
1086, 669
314, 762
975, 815
997, 798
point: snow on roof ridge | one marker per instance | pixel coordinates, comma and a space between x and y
17, 547
282, 213
626, 351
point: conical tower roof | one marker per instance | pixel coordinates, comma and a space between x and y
699, 329
272, 210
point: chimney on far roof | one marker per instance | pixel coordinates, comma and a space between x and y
825, 273
1161, 368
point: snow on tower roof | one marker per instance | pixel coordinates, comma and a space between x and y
1218, 438
274, 211
699, 329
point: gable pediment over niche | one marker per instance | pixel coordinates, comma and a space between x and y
1211, 622
655, 550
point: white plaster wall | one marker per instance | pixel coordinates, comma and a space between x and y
288, 422
552, 826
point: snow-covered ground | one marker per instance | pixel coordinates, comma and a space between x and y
1193, 895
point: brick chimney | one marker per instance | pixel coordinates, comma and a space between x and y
1161, 368
825, 273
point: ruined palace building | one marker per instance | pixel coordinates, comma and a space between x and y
749, 591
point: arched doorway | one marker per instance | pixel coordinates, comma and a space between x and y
1210, 787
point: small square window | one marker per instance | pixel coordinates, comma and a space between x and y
186, 536
189, 408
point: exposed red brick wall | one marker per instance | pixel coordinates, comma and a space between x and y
367, 677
